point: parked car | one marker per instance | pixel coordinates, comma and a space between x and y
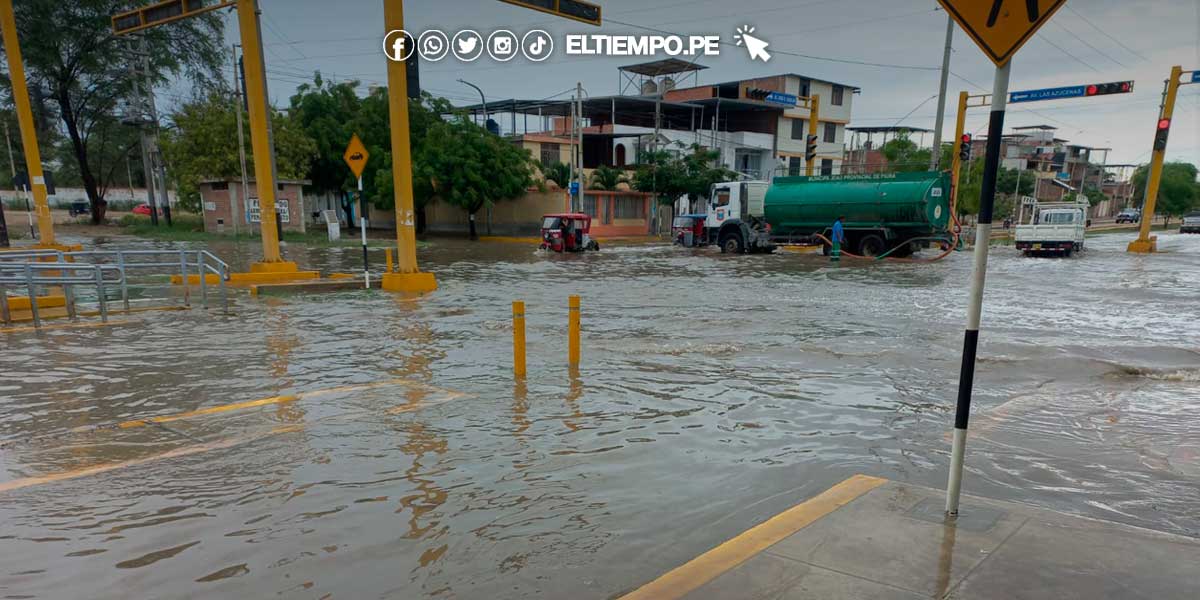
78, 208
142, 209
1191, 223
1129, 215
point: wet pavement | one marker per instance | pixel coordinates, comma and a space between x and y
715, 391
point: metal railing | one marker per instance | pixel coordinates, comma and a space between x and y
31, 275
184, 262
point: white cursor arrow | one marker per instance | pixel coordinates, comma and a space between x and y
757, 46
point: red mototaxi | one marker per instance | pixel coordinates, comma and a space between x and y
567, 232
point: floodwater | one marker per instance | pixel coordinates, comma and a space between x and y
715, 392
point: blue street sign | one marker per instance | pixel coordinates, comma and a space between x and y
574, 188
1195, 76
1075, 91
782, 99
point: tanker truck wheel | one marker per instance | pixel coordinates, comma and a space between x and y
871, 246
731, 243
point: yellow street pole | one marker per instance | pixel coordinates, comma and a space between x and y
33, 156
573, 331
956, 156
1146, 243
814, 115
408, 276
261, 140
518, 312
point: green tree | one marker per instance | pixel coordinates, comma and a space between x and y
1015, 182
74, 63
202, 144
661, 173
1177, 193
1094, 195
606, 178
559, 173
701, 170
468, 167
904, 156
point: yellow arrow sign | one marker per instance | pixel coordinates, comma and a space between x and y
1001, 27
356, 155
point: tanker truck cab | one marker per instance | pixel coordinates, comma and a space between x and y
735, 221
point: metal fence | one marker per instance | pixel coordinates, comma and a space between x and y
45, 268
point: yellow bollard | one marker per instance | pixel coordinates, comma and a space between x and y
388, 254
573, 331
518, 309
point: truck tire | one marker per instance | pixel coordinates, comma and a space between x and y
732, 243
1067, 252
871, 246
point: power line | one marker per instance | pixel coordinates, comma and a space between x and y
796, 54
1089, 45
1105, 33
1064, 51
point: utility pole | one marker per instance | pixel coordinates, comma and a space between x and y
139, 119
155, 150
12, 166
1146, 243
239, 214
578, 198
571, 146
935, 155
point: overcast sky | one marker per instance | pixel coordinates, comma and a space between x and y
1087, 41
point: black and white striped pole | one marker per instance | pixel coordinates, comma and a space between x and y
983, 234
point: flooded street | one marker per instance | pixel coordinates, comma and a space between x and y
392, 455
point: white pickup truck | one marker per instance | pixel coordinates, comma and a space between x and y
1053, 227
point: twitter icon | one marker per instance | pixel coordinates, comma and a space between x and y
467, 45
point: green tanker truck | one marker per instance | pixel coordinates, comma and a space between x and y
882, 212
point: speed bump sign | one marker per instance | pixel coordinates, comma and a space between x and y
1001, 27
356, 156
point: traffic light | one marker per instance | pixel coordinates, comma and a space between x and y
811, 148
1104, 89
1160, 136
964, 148
757, 94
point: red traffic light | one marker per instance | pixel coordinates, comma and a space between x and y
1104, 89
1164, 124
966, 138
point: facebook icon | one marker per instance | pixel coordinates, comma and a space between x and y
397, 45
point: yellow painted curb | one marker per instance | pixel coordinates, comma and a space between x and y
409, 282
246, 279
682, 580
22, 302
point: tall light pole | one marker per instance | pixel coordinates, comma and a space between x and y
481, 98
936, 155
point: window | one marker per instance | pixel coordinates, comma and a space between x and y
279, 187
827, 166
722, 197
795, 163
839, 94
797, 129
220, 185
550, 154
629, 207
831, 132
804, 87
620, 155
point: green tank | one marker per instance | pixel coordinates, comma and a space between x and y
895, 207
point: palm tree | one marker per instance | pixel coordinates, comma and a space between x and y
606, 178
559, 173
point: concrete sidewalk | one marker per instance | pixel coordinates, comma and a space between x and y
873, 538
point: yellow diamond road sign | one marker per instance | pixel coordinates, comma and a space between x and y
1001, 27
356, 155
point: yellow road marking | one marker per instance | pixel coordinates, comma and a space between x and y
62, 326
706, 567
17, 484
207, 411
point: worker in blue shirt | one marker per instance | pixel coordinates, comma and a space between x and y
839, 238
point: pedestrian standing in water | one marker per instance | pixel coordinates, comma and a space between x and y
839, 238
